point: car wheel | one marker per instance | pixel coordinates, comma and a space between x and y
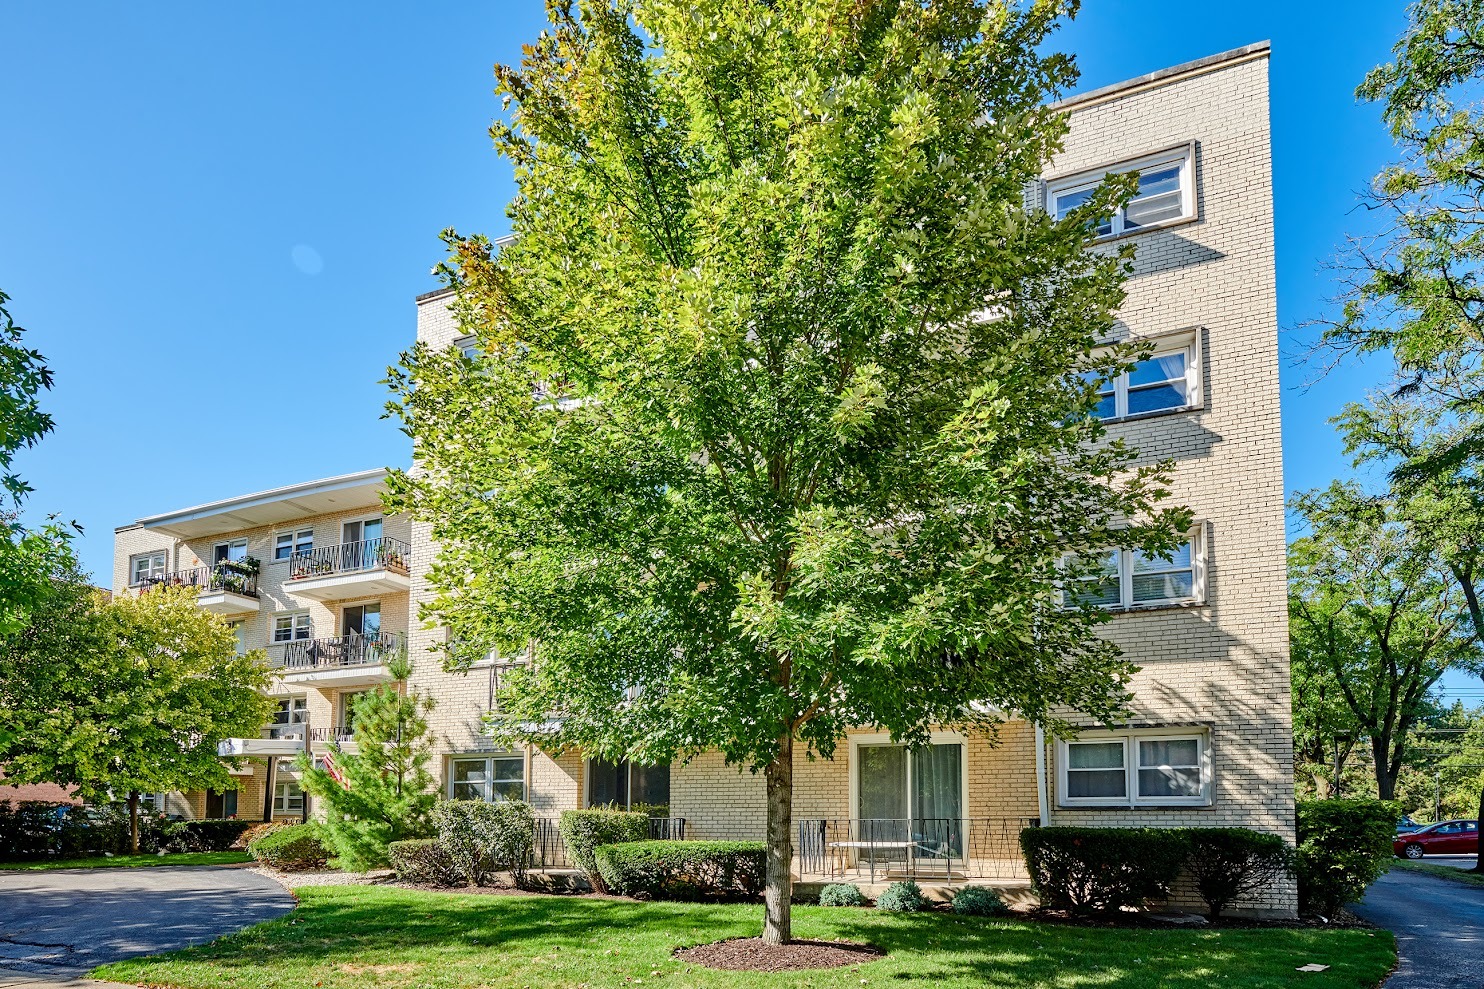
1413, 851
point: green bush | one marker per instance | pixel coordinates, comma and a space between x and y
584, 830
976, 901
205, 835
1227, 863
292, 848
254, 832
1096, 869
421, 860
683, 870
1343, 846
481, 838
905, 897
842, 895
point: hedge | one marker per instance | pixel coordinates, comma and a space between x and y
1097, 869
1227, 863
583, 831
1343, 846
292, 848
204, 835
421, 860
683, 870
38, 829
480, 839
255, 831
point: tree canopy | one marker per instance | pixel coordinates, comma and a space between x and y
781, 421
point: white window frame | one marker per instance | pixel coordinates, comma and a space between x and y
489, 759
295, 706
468, 345
295, 624
284, 792
1182, 156
1196, 537
865, 739
1187, 342
1130, 740
229, 543
295, 537
164, 568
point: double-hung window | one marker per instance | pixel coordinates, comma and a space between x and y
291, 626
1130, 578
1166, 193
288, 798
286, 544
1157, 767
491, 778
1168, 380
146, 567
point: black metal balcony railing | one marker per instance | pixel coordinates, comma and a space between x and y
339, 734
285, 729
548, 851
347, 558
208, 580
339, 651
917, 848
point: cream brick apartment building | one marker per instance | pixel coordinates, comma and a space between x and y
1208, 741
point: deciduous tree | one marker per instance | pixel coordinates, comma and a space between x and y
781, 423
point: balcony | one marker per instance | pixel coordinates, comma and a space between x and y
938, 850
278, 738
343, 660
348, 570
228, 588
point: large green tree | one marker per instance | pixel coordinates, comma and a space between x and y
377, 789
1370, 603
126, 696
781, 423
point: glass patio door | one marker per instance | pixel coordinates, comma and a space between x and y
361, 540
911, 798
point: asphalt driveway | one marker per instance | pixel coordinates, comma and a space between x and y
1439, 928
65, 921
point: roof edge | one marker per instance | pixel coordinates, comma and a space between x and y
272, 494
1196, 67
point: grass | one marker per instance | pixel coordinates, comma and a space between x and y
132, 861
1441, 871
355, 936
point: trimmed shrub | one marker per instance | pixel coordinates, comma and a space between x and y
583, 831
204, 835
904, 897
683, 870
481, 838
254, 832
1097, 869
1343, 846
842, 895
38, 829
421, 860
976, 901
1227, 863
292, 848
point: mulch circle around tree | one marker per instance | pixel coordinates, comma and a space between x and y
752, 954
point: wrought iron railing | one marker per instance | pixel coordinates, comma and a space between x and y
548, 851
339, 734
943, 849
346, 558
354, 649
288, 729
222, 577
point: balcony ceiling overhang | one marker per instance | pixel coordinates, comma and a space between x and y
337, 587
265, 508
229, 748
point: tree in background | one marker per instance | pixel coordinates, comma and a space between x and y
126, 696
1325, 729
381, 791
782, 418
1369, 601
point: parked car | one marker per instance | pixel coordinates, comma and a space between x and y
1443, 838
1406, 824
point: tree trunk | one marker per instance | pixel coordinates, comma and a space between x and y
778, 922
134, 822
1385, 776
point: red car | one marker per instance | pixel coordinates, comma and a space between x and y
1443, 838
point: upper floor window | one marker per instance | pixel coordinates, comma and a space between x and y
146, 566
1136, 768
1166, 193
468, 346
286, 544
1168, 380
234, 551
1130, 578
291, 626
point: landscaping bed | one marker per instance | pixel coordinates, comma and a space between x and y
343, 936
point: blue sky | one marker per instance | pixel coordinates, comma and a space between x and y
214, 218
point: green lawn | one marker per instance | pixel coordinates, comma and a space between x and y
1441, 871
385, 937
133, 861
